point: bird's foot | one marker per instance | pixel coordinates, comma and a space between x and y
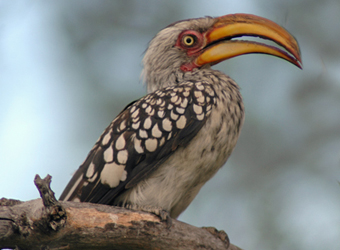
219, 234
161, 213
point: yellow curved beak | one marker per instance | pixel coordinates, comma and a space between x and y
219, 45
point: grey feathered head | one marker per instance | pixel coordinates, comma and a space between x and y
195, 43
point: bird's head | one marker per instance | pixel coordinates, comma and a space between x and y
188, 45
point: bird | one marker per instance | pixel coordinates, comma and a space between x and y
159, 151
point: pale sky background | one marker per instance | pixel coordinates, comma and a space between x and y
68, 67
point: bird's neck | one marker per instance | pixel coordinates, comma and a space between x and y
162, 78
155, 81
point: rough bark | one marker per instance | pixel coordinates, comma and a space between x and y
49, 224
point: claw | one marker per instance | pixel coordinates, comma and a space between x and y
164, 215
219, 234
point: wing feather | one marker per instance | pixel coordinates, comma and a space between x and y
141, 138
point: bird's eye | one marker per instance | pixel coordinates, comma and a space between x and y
189, 40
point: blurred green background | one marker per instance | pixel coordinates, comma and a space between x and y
68, 67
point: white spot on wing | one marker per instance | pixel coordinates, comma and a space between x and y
152, 112
173, 115
111, 174
180, 110
197, 109
198, 94
108, 154
169, 136
135, 125
92, 179
148, 110
124, 175
162, 104
106, 138
90, 170
138, 146
174, 99
147, 123
181, 122
122, 156
133, 108
200, 99
186, 93
161, 142
184, 103
122, 125
152, 102
120, 143
151, 145
199, 86
156, 132
178, 101
160, 113
200, 117
143, 133
135, 114
166, 124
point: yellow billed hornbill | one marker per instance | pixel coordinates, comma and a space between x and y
161, 149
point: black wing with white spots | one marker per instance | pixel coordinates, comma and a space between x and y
140, 139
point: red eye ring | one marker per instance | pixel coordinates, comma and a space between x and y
190, 40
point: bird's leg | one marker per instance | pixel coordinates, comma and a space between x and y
219, 234
161, 213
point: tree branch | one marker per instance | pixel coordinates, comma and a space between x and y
49, 224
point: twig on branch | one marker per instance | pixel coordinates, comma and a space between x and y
55, 213
49, 224
45, 191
